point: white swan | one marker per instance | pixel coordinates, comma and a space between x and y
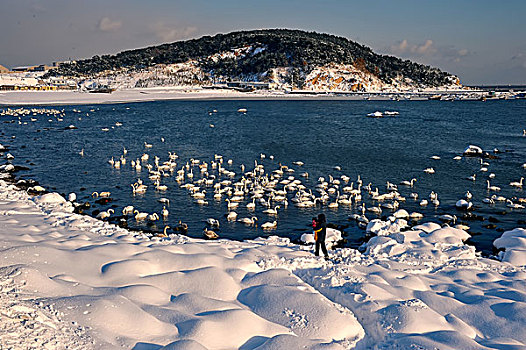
463, 204
492, 188
447, 217
488, 201
101, 194
416, 216
512, 205
269, 225
212, 222
429, 170
160, 187
231, 205
231, 216
333, 205
164, 212
408, 183
209, 234
517, 184
105, 214
140, 216
391, 186
248, 221
252, 205
376, 210
199, 195
153, 217
201, 201
272, 211
127, 210
164, 200
164, 234
498, 198
138, 188
345, 201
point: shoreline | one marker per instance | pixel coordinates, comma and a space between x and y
33, 98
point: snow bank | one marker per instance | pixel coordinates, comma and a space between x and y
384, 228
514, 244
423, 242
333, 237
49, 198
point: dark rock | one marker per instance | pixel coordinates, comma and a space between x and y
103, 201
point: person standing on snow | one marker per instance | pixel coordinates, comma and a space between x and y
320, 232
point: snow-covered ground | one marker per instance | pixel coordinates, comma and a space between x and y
63, 97
119, 96
71, 281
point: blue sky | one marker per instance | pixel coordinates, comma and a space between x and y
480, 41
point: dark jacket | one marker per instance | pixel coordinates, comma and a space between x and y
320, 233
321, 228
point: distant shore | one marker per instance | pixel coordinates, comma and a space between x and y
13, 98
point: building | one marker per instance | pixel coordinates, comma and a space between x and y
3, 69
12, 82
31, 81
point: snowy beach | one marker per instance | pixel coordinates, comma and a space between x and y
71, 280
119, 96
12, 98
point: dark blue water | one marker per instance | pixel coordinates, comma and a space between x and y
322, 134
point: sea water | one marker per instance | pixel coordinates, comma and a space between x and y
324, 135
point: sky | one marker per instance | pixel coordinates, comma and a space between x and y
480, 41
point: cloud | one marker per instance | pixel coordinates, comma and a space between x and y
403, 48
462, 52
427, 51
169, 33
108, 25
